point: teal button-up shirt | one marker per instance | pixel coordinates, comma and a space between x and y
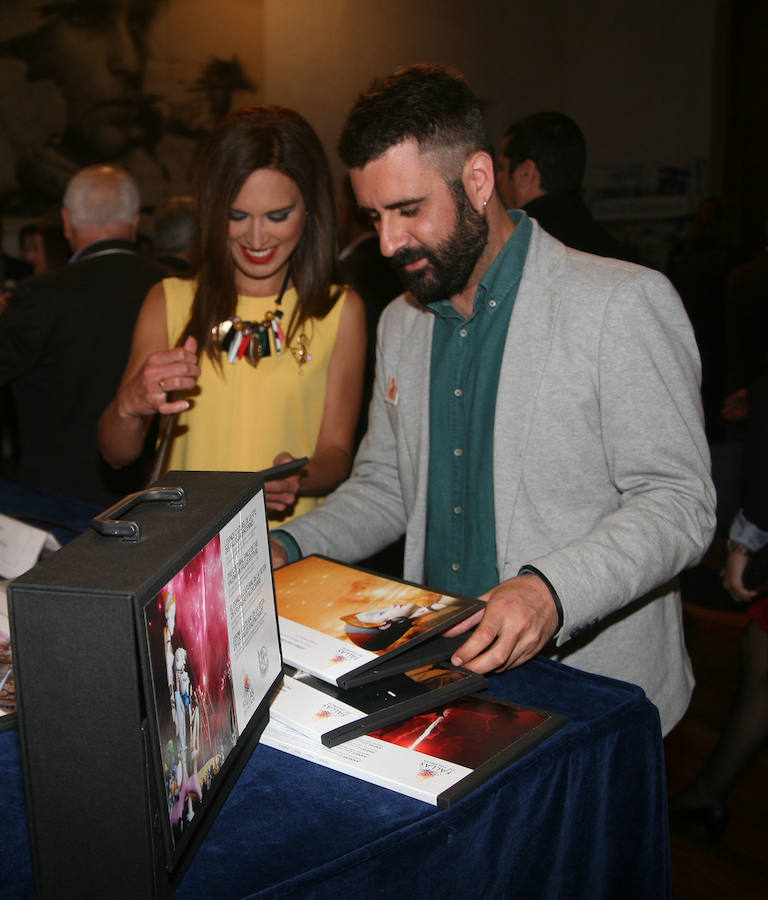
466, 361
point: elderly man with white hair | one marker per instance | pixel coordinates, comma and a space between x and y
65, 337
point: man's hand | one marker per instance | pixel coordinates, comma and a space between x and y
733, 575
279, 553
518, 620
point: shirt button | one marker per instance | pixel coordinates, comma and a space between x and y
458, 510
455, 567
458, 392
458, 452
492, 304
463, 332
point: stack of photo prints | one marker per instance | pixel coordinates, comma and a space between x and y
369, 691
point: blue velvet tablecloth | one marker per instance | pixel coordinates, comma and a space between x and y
581, 816
62, 516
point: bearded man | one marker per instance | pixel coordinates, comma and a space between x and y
536, 426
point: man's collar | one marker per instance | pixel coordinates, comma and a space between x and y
119, 244
506, 268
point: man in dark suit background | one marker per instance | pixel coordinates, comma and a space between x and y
176, 235
542, 165
65, 338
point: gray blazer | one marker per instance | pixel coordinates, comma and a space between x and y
601, 468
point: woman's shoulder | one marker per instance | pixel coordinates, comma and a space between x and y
179, 290
340, 295
179, 296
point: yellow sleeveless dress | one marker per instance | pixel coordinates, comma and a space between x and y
243, 416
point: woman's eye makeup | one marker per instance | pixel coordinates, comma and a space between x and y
279, 215
275, 215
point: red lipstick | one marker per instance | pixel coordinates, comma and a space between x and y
258, 260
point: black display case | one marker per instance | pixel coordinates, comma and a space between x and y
145, 660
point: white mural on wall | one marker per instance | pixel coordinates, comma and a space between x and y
134, 81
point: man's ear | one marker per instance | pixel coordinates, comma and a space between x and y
66, 225
478, 177
530, 175
525, 183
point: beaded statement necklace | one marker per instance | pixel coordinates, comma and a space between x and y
240, 339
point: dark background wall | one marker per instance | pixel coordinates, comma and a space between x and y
667, 93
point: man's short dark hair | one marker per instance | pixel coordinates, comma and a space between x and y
431, 104
555, 143
176, 225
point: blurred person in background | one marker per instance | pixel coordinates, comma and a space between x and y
176, 242
45, 245
65, 337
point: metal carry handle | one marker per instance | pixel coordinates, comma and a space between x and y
108, 523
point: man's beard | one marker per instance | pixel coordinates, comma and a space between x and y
451, 263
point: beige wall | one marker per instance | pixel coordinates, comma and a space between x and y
636, 75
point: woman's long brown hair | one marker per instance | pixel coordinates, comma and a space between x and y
262, 137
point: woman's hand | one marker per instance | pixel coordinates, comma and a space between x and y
163, 371
281, 492
152, 371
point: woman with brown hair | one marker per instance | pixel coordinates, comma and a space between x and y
45, 245
265, 349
